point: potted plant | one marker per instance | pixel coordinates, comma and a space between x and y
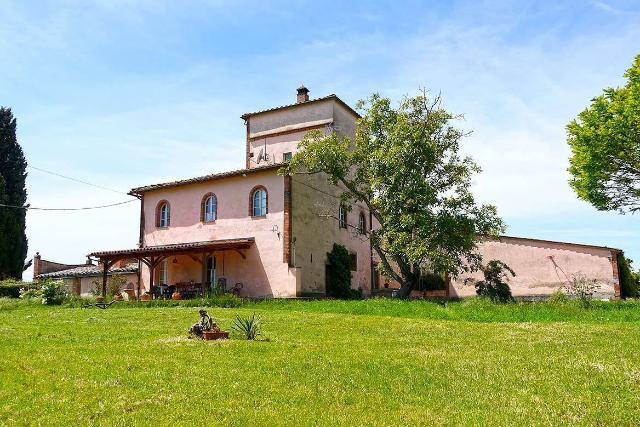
99, 298
118, 297
145, 297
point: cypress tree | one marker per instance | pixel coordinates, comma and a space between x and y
13, 165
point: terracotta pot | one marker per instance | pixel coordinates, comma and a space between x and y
176, 296
145, 297
215, 335
118, 297
99, 299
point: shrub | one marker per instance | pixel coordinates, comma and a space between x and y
430, 281
11, 288
115, 285
558, 297
53, 292
249, 327
339, 274
582, 289
494, 285
628, 280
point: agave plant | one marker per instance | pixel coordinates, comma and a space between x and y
249, 327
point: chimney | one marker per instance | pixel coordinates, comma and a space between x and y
303, 94
36, 265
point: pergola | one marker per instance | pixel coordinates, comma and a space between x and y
151, 256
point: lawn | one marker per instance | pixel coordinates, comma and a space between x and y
323, 363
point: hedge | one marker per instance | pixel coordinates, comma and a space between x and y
11, 288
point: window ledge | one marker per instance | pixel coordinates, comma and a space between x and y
258, 217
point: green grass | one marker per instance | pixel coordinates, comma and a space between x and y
376, 362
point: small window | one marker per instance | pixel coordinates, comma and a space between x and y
163, 274
209, 208
163, 214
342, 217
286, 156
362, 224
354, 261
259, 202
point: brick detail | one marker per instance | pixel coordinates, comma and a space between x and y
36, 265
287, 225
257, 187
616, 275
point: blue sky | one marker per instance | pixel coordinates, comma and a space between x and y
124, 94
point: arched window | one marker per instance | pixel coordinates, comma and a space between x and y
259, 202
209, 208
342, 217
163, 214
362, 224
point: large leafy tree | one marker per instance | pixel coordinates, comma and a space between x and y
403, 163
605, 141
13, 240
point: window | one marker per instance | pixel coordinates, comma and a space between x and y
354, 261
259, 202
209, 208
163, 215
163, 274
342, 217
286, 156
362, 224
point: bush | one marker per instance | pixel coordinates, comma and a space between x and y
558, 297
628, 280
115, 285
494, 285
11, 288
582, 289
339, 274
430, 281
53, 292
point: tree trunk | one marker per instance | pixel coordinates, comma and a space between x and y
404, 291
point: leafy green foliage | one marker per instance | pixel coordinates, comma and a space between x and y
629, 281
53, 292
115, 285
403, 164
430, 281
339, 274
605, 145
582, 289
558, 297
249, 327
13, 165
12, 288
495, 286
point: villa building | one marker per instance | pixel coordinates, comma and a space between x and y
252, 229
262, 234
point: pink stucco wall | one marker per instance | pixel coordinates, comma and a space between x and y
263, 272
542, 267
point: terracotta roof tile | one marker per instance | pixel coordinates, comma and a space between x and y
203, 178
282, 107
88, 271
